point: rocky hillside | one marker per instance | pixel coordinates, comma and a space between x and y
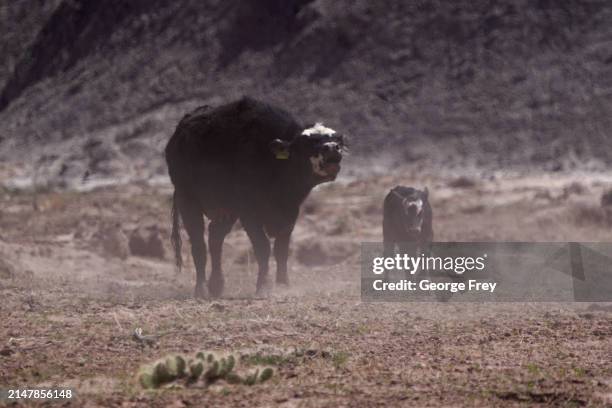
93, 89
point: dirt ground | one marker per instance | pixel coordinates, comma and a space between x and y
72, 296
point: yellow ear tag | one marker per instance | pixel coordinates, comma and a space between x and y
282, 155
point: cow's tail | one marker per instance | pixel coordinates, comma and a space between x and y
176, 233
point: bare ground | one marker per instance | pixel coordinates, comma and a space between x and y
71, 301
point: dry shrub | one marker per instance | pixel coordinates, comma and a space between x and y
591, 214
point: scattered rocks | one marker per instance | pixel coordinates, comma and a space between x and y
606, 198
462, 182
217, 307
574, 188
147, 242
113, 241
6, 351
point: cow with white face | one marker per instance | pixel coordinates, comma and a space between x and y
248, 161
322, 147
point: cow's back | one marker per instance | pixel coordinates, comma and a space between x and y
224, 152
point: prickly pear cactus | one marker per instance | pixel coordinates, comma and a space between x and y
212, 372
234, 378
259, 376
158, 373
251, 378
205, 366
196, 368
266, 374
176, 366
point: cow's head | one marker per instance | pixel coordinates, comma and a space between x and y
413, 201
318, 149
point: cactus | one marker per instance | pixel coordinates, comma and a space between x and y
222, 367
251, 378
176, 366
211, 357
234, 378
154, 375
161, 374
196, 368
208, 357
146, 378
206, 365
266, 374
231, 363
212, 373
228, 365
258, 376
181, 364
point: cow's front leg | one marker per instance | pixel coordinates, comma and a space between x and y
261, 247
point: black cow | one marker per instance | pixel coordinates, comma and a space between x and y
407, 221
251, 161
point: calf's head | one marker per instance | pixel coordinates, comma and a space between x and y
317, 150
413, 202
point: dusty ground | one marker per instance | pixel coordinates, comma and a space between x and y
71, 301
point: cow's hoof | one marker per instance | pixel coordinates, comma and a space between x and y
215, 285
263, 288
201, 292
282, 280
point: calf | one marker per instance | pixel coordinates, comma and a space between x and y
250, 161
407, 222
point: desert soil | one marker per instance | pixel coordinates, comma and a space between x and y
72, 296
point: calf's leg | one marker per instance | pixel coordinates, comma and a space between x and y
409, 248
217, 231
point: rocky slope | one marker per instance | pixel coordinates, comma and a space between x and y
97, 87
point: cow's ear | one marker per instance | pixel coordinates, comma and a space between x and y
426, 193
280, 149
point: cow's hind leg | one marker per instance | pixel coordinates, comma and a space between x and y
217, 231
281, 253
261, 247
193, 220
